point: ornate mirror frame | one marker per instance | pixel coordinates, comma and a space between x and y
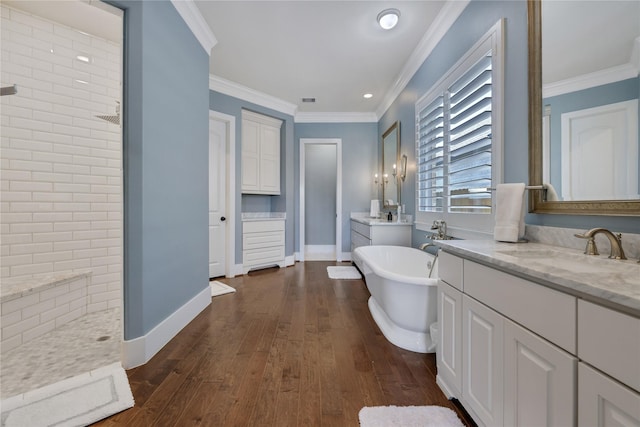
537, 204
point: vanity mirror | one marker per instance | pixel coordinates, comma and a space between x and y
390, 167
583, 107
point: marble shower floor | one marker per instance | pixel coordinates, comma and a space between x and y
77, 347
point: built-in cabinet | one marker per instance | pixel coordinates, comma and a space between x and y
260, 154
380, 233
516, 353
262, 244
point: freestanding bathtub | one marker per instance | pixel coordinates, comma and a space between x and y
403, 296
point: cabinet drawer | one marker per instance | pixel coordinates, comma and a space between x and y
259, 226
360, 228
546, 312
450, 269
610, 341
254, 257
262, 240
358, 239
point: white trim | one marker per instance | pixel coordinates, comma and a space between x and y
301, 220
196, 23
289, 260
139, 351
320, 252
441, 24
230, 254
586, 81
327, 117
242, 92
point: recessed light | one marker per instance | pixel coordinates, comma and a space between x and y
368, 95
388, 18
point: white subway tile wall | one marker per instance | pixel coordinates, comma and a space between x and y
61, 166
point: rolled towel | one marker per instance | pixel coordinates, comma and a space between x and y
509, 218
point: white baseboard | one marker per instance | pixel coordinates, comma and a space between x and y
319, 253
139, 351
289, 260
237, 271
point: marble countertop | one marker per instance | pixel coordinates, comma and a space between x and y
263, 216
614, 283
365, 218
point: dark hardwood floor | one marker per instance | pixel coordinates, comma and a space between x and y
290, 348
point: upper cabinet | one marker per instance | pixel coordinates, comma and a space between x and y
260, 154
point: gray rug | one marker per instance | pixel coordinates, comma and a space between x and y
408, 416
76, 401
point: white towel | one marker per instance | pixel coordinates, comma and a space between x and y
509, 212
552, 195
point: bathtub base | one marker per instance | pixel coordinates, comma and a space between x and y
403, 338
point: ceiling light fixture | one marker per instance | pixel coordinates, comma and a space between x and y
368, 95
388, 18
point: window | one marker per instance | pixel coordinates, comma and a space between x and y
458, 141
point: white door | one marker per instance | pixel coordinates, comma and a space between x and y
600, 153
217, 197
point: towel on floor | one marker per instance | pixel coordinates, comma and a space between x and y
509, 225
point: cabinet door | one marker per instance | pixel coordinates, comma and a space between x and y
539, 380
449, 349
603, 402
250, 156
269, 159
482, 352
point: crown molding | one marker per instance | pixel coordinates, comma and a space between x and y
336, 117
586, 81
196, 23
441, 24
242, 92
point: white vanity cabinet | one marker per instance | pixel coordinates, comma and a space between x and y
380, 233
609, 371
489, 358
262, 244
482, 358
260, 154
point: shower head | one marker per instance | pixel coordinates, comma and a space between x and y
113, 119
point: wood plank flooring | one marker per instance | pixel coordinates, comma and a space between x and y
290, 348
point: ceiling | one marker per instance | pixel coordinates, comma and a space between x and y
333, 51
580, 38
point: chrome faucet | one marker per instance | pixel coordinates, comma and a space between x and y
615, 240
424, 246
441, 226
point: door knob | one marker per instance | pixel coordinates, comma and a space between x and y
223, 218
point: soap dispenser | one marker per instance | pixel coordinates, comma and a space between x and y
389, 216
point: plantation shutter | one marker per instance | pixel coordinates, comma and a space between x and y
430, 155
469, 145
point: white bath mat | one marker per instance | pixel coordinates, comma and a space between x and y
408, 416
347, 272
219, 288
76, 401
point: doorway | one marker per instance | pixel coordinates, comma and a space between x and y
222, 194
320, 199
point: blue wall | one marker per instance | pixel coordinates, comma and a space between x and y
166, 127
257, 203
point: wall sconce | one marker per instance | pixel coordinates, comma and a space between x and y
403, 167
